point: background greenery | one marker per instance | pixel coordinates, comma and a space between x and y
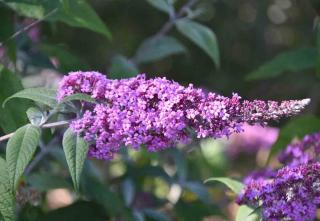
259, 49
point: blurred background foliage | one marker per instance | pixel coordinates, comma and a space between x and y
259, 49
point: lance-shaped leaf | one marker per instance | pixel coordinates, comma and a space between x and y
6, 196
202, 36
157, 48
294, 61
75, 149
42, 95
162, 5
246, 213
234, 185
20, 149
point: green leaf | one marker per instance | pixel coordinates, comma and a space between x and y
79, 13
42, 95
198, 188
28, 10
13, 115
155, 215
7, 25
20, 149
44, 181
79, 211
234, 185
157, 48
7, 203
76, 13
297, 127
79, 97
121, 67
67, 60
162, 5
294, 61
246, 213
202, 36
101, 193
35, 116
75, 149
128, 191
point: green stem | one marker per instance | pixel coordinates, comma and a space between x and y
48, 125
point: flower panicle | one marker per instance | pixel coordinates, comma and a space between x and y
159, 113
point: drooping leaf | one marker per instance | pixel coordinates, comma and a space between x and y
202, 36
35, 116
162, 5
75, 149
121, 67
20, 150
296, 128
13, 115
7, 204
157, 48
42, 95
246, 213
234, 185
294, 61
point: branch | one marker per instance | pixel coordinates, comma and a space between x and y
170, 23
49, 125
27, 27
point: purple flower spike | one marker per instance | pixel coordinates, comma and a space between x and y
159, 113
293, 194
301, 152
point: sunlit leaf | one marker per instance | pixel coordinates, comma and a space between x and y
202, 36
234, 185
42, 95
246, 213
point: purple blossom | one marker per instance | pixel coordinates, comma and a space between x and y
301, 152
293, 194
260, 174
159, 113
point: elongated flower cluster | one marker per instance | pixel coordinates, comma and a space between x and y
293, 194
159, 113
301, 152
